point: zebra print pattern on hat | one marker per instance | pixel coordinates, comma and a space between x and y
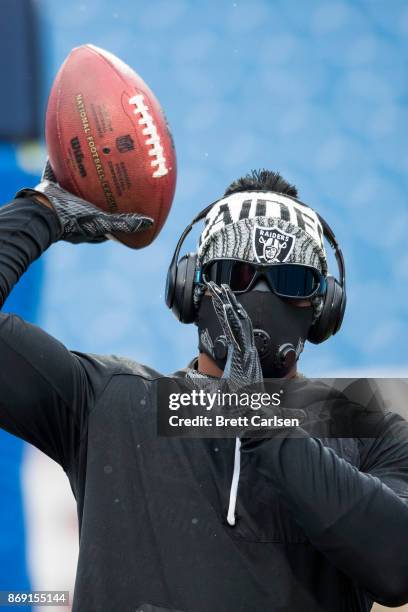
251, 204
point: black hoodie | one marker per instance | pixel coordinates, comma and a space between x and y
320, 524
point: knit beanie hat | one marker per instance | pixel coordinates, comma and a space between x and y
262, 227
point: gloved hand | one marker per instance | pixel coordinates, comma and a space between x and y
243, 370
242, 367
80, 220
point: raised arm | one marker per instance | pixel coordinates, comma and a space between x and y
45, 390
40, 380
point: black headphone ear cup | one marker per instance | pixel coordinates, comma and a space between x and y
170, 284
335, 311
183, 303
341, 310
189, 313
324, 326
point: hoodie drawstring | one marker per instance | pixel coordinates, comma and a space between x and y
234, 483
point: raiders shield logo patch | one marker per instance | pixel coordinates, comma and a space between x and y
272, 245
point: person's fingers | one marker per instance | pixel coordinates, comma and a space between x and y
229, 295
232, 322
224, 312
232, 316
239, 320
213, 288
128, 222
80, 239
215, 296
216, 299
102, 223
48, 173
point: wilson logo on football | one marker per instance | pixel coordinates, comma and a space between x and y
153, 139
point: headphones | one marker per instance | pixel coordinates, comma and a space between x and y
182, 274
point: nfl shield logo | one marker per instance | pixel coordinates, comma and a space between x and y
272, 245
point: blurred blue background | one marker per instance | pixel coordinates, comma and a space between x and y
317, 90
25, 300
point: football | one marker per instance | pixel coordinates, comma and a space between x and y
108, 140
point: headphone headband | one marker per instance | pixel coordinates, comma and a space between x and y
331, 239
201, 215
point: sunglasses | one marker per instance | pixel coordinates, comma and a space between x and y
285, 280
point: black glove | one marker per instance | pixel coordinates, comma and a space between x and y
242, 367
80, 220
243, 371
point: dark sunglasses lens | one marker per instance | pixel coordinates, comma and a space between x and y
212, 272
242, 274
287, 280
236, 274
294, 281
218, 271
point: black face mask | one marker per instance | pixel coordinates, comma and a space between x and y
280, 331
